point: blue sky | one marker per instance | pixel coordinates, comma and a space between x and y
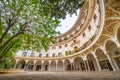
67, 23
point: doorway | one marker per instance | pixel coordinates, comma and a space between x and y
46, 67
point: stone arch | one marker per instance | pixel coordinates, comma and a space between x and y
117, 58
100, 54
67, 65
109, 40
60, 65
92, 62
46, 65
114, 53
103, 60
79, 64
20, 64
30, 65
38, 65
110, 47
118, 35
53, 66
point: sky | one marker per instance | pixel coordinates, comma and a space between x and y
67, 23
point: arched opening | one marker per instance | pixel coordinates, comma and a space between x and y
67, 65
92, 63
110, 47
79, 64
38, 65
46, 66
53, 66
60, 65
114, 53
117, 58
103, 60
118, 35
30, 65
76, 49
21, 64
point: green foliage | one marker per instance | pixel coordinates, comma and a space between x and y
59, 8
7, 61
31, 24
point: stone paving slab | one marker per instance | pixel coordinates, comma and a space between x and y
81, 75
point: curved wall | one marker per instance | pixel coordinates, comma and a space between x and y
90, 45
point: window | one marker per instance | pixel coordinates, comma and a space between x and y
117, 53
32, 55
65, 38
59, 54
24, 54
47, 55
74, 41
53, 55
83, 34
60, 47
66, 45
53, 47
76, 49
95, 17
66, 53
60, 40
40, 55
89, 28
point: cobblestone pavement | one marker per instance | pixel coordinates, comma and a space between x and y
91, 75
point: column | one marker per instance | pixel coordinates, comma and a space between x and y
63, 66
88, 65
72, 66
42, 66
111, 62
56, 65
34, 67
86, 69
80, 67
98, 64
15, 65
25, 67
49, 65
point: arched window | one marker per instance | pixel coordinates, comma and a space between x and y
24, 54
40, 55
47, 55
32, 55
89, 28
66, 45
83, 35
53, 55
95, 17
59, 54
60, 40
60, 47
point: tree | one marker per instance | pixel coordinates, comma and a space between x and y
31, 24
7, 61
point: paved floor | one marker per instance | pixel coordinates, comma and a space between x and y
106, 75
